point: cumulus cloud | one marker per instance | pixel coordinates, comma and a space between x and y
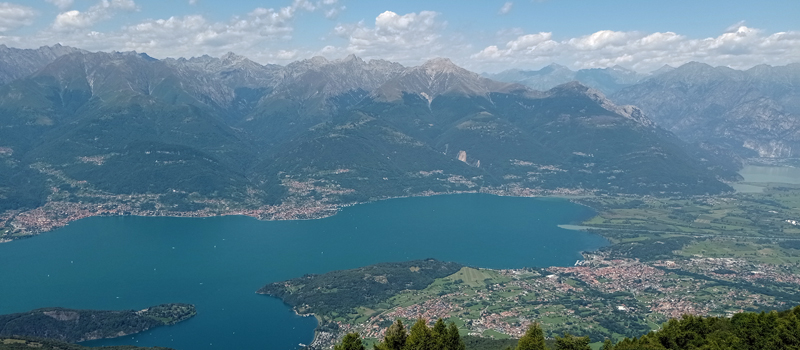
13, 16
739, 47
255, 34
394, 37
506, 8
103, 10
286, 54
264, 35
61, 4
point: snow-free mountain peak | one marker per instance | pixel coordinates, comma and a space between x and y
436, 77
576, 89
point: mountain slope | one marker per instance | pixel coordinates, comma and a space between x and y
752, 113
104, 133
122, 123
503, 136
20, 63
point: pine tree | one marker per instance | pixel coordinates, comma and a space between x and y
533, 338
420, 337
351, 341
439, 333
607, 345
396, 335
453, 340
571, 342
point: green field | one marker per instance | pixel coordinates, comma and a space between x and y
475, 277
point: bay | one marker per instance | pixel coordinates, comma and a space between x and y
218, 263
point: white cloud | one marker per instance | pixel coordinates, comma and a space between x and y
506, 8
192, 2
334, 12
103, 10
61, 4
264, 35
602, 39
253, 34
13, 16
412, 36
739, 47
286, 55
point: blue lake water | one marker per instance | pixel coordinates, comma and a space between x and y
765, 174
218, 263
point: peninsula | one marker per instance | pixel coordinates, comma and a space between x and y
73, 326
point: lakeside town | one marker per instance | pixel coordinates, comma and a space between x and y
306, 199
600, 297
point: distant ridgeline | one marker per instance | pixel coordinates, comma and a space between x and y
82, 325
116, 133
24, 343
342, 291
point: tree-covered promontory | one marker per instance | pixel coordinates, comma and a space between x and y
81, 325
341, 291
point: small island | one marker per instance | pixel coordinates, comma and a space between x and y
73, 326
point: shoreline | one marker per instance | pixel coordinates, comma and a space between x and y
54, 215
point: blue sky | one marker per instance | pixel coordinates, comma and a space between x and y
479, 35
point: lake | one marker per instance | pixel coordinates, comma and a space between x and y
218, 263
765, 174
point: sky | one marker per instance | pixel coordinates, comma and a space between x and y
483, 36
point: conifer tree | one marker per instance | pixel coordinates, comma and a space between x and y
351, 341
453, 340
439, 333
420, 337
533, 338
607, 345
396, 335
571, 342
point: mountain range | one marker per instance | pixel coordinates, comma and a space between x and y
606, 80
751, 113
741, 113
123, 132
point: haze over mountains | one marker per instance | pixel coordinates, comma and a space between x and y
750, 113
754, 113
228, 133
607, 80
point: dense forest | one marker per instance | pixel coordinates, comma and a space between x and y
747, 330
744, 331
